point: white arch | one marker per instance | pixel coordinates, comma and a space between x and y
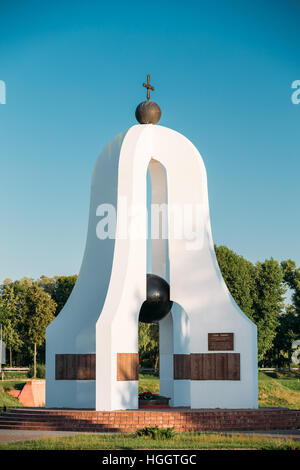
196, 283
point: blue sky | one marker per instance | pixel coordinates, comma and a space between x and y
222, 72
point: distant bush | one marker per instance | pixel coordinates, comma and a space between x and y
156, 433
40, 371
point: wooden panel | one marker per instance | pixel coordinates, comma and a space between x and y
218, 366
127, 366
196, 366
182, 366
75, 366
233, 367
220, 342
208, 367
59, 366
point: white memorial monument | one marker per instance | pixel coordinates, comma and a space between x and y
208, 346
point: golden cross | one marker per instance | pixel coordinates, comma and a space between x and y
148, 86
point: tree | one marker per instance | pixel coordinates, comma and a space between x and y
59, 288
258, 290
239, 275
285, 336
10, 318
292, 278
47, 284
149, 344
39, 309
268, 303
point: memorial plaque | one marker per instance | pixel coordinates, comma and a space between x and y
75, 366
215, 366
220, 342
182, 366
127, 366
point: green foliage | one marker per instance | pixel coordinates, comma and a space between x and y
26, 309
39, 311
59, 288
258, 290
10, 317
40, 371
239, 275
286, 333
149, 345
25, 312
268, 303
156, 433
292, 278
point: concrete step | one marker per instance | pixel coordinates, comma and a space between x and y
56, 427
46, 415
55, 423
16, 417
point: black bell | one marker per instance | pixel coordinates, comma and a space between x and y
158, 303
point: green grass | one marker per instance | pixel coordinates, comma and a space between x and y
289, 380
279, 390
180, 441
6, 399
148, 383
12, 385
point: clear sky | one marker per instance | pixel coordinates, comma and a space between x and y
222, 72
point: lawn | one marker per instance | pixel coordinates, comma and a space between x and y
6, 399
279, 389
130, 441
148, 383
290, 380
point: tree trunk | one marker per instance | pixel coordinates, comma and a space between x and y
10, 357
34, 361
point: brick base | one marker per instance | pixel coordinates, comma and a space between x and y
183, 419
